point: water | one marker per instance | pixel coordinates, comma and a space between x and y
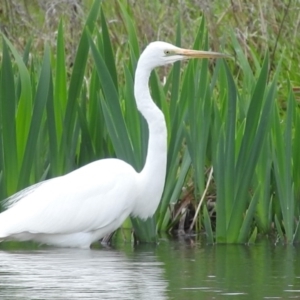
171, 270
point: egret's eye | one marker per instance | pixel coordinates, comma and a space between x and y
167, 52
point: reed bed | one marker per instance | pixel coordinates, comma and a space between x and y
233, 138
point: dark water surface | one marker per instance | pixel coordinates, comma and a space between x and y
171, 270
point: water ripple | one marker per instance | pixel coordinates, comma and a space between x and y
80, 274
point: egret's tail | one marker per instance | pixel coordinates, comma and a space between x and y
3, 227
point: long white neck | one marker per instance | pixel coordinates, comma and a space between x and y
152, 177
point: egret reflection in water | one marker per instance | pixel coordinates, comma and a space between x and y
79, 274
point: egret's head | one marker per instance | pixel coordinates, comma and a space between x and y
160, 53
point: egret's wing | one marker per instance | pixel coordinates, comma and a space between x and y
87, 199
12, 200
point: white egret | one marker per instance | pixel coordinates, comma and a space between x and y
83, 206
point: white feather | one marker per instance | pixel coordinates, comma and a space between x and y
67, 204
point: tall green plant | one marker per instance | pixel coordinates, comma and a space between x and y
24, 109
70, 135
9, 161
262, 186
282, 151
236, 156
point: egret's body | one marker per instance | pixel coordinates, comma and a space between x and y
74, 210
83, 206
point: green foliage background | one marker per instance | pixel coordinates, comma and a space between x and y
66, 99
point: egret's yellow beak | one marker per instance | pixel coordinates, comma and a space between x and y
199, 54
